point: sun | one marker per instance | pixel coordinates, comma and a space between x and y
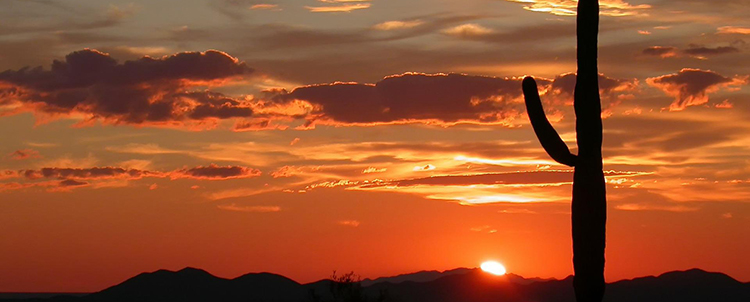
493, 267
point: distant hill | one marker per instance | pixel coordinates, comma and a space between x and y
459, 285
423, 276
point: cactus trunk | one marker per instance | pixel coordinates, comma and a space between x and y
589, 206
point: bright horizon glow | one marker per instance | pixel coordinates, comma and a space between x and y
493, 267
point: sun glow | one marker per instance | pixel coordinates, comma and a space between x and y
493, 267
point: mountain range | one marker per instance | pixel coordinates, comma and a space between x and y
458, 285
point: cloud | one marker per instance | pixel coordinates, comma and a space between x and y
468, 30
614, 8
660, 51
215, 172
104, 174
88, 173
646, 207
427, 167
24, 154
612, 90
249, 209
551, 177
396, 25
733, 30
144, 91
691, 87
410, 97
349, 223
702, 50
68, 183
369, 170
264, 6
345, 8
257, 125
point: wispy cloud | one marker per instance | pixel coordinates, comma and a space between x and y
23, 154
349, 223
249, 209
264, 6
648, 207
341, 8
396, 25
733, 30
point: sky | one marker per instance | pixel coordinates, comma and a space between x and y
382, 137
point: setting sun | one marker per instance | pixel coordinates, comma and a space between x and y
493, 267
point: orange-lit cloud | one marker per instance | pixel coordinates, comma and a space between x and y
249, 209
144, 91
341, 6
264, 6
395, 25
733, 30
647, 207
468, 30
691, 87
661, 51
349, 223
615, 8
373, 170
257, 125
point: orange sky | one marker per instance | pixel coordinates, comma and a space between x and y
266, 136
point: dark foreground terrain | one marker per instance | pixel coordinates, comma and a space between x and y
459, 285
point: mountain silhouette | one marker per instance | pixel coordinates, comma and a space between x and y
459, 285
422, 276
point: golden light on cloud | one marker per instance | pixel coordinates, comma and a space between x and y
468, 30
493, 267
344, 8
249, 209
733, 30
264, 6
395, 25
613, 8
505, 162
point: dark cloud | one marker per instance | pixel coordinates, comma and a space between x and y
609, 88
706, 51
72, 183
691, 87
24, 154
433, 98
214, 172
447, 98
210, 172
87, 173
148, 90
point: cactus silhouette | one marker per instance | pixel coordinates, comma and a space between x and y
589, 206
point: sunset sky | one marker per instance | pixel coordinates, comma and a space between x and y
382, 137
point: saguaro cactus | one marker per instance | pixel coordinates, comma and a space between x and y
589, 208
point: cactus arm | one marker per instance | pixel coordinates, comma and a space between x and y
548, 137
